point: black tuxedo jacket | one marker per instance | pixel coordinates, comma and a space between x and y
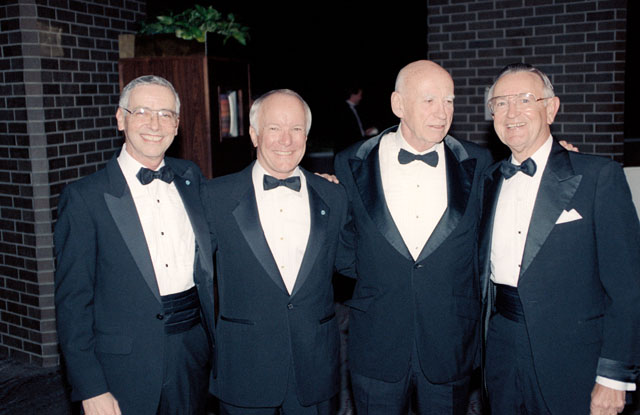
107, 299
580, 280
433, 302
261, 329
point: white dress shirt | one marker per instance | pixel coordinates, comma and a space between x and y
510, 228
285, 217
416, 193
513, 214
166, 225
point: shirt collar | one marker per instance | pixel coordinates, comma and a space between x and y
130, 166
258, 172
401, 143
540, 157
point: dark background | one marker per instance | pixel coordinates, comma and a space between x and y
315, 48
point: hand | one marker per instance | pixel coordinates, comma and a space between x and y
104, 404
606, 401
568, 146
330, 177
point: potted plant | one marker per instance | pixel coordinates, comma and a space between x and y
186, 33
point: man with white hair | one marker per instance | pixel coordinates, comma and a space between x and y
560, 262
275, 230
134, 277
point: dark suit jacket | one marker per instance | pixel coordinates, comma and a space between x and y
107, 297
261, 329
433, 302
579, 283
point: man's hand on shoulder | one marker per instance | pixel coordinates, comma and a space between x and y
606, 401
330, 177
105, 404
568, 146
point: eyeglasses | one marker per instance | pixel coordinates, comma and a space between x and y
524, 101
142, 114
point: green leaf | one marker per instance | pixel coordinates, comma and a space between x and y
165, 20
196, 22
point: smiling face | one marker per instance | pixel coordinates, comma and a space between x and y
148, 140
423, 101
524, 129
281, 136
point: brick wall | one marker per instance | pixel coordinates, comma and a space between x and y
59, 92
580, 44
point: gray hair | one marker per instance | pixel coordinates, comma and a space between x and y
147, 80
255, 108
524, 67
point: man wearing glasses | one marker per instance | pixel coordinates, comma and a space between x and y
559, 258
134, 286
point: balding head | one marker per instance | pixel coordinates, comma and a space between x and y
423, 100
419, 70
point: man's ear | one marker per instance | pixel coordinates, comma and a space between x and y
397, 106
254, 136
553, 105
120, 119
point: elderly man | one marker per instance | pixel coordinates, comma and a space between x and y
134, 286
560, 259
414, 323
275, 230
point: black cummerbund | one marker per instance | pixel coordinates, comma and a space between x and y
508, 302
181, 311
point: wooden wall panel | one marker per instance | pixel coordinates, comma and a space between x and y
189, 76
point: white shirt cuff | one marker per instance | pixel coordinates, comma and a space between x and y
615, 384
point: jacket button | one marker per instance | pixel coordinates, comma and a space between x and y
418, 266
160, 316
290, 306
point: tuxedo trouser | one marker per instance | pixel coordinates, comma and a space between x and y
510, 374
290, 406
187, 351
377, 397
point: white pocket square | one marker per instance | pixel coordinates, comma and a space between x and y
568, 216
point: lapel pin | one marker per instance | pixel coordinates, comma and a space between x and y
322, 212
188, 182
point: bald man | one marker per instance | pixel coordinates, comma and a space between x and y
415, 313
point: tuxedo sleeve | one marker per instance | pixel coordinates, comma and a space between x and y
206, 194
76, 250
618, 246
346, 257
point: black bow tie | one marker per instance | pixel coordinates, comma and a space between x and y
508, 169
270, 182
146, 176
405, 157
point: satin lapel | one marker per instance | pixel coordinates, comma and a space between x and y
248, 220
123, 210
366, 173
557, 187
491, 190
459, 180
319, 211
187, 182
